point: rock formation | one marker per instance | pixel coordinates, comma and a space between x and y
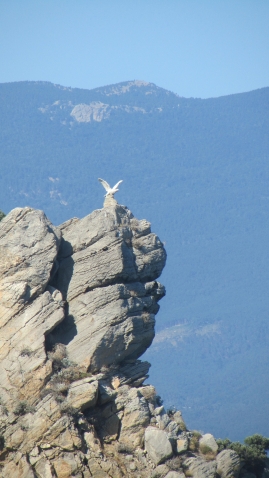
77, 310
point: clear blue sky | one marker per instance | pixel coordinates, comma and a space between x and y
199, 48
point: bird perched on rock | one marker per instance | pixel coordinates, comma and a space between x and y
109, 191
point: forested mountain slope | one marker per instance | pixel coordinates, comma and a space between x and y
198, 169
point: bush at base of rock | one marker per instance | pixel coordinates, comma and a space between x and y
253, 452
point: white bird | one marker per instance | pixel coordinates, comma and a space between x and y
109, 191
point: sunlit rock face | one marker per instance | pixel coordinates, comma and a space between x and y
29, 309
94, 278
108, 266
77, 309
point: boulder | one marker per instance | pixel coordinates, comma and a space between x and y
43, 468
134, 372
148, 392
163, 420
182, 443
199, 468
208, 444
135, 419
177, 417
228, 464
65, 466
175, 474
18, 468
92, 441
160, 471
157, 445
62, 434
83, 393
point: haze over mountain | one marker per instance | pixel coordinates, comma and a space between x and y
198, 169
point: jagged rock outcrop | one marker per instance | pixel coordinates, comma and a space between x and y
108, 263
228, 464
28, 308
199, 468
77, 310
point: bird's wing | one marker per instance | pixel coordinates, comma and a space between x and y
105, 184
116, 185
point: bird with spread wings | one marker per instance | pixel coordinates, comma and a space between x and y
109, 191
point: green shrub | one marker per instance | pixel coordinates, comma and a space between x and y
194, 441
4, 410
2, 215
24, 428
205, 449
58, 396
207, 452
175, 463
159, 401
259, 442
67, 409
59, 358
72, 374
125, 449
23, 407
252, 452
171, 411
26, 351
223, 444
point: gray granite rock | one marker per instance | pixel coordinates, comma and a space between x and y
136, 417
83, 393
228, 464
28, 249
84, 303
182, 443
175, 474
177, 417
157, 445
28, 312
160, 471
108, 263
199, 468
43, 468
24, 366
207, 443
